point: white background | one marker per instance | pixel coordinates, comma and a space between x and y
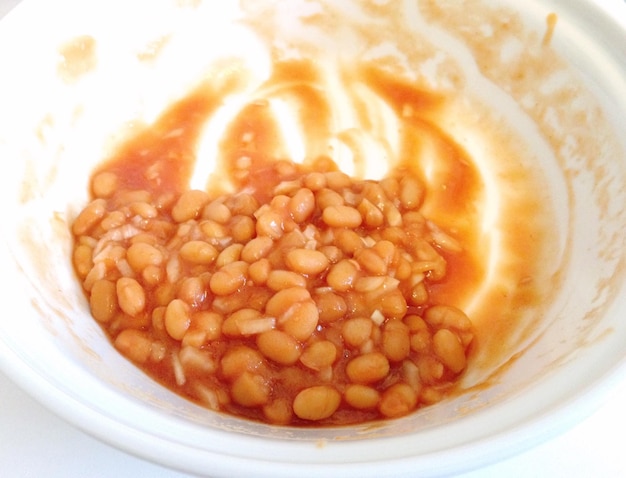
35, 443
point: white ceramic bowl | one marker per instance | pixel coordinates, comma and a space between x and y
560, 92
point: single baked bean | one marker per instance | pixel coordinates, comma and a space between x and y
398, 400
256, 249
395, 340
89, 217
235, 324
449, 350
316, 403
103, 300
134, 344
341, 216
319, 355
411, 192
444, 316
229, 255
141, 255
300, 320
240, 359
198, 252
343, 275
242, 204
130, 296
325, 198
208, 325
242, 229
302, 205
193, 291
283, 300
177, 318
213, 230
367, 368
280, 279
372, 216
361, 397
278, 411
356, 331
430, 369
279, 347
189, 205
229, 278
306, 261
419, 294
144, 210
393, 305
113, 220
330, 306
315, 181
250, 390
82, 260
270, 224
259, 271
104, 184
217, 211
348, 241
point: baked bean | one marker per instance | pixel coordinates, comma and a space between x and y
189, 205
343, 275
152, 275
256, 249
82, 259
367, 368
330, 306
259, 271
279, 280
398, 400
242, 229
357, 331
411, 192
193, 291
396, 343
89, 217
270, 224
319, 355
250, 390
177, 318
325, 198
229, 255
372, 216
141, 255
302, 205
348, 241
306, 261
341, 216
134, 344
283, 300
444, 316
300, 320
229, 278
279, 347
315, 181
130, 296
449, 350
241, 359
316, 403
361, 397
278, 411
104, 184
103, 300
198, 252
217, 211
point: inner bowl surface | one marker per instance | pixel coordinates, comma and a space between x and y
74, 91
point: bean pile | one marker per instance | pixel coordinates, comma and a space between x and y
302, 298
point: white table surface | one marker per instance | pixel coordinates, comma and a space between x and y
36, 443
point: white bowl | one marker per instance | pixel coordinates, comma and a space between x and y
558, 100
